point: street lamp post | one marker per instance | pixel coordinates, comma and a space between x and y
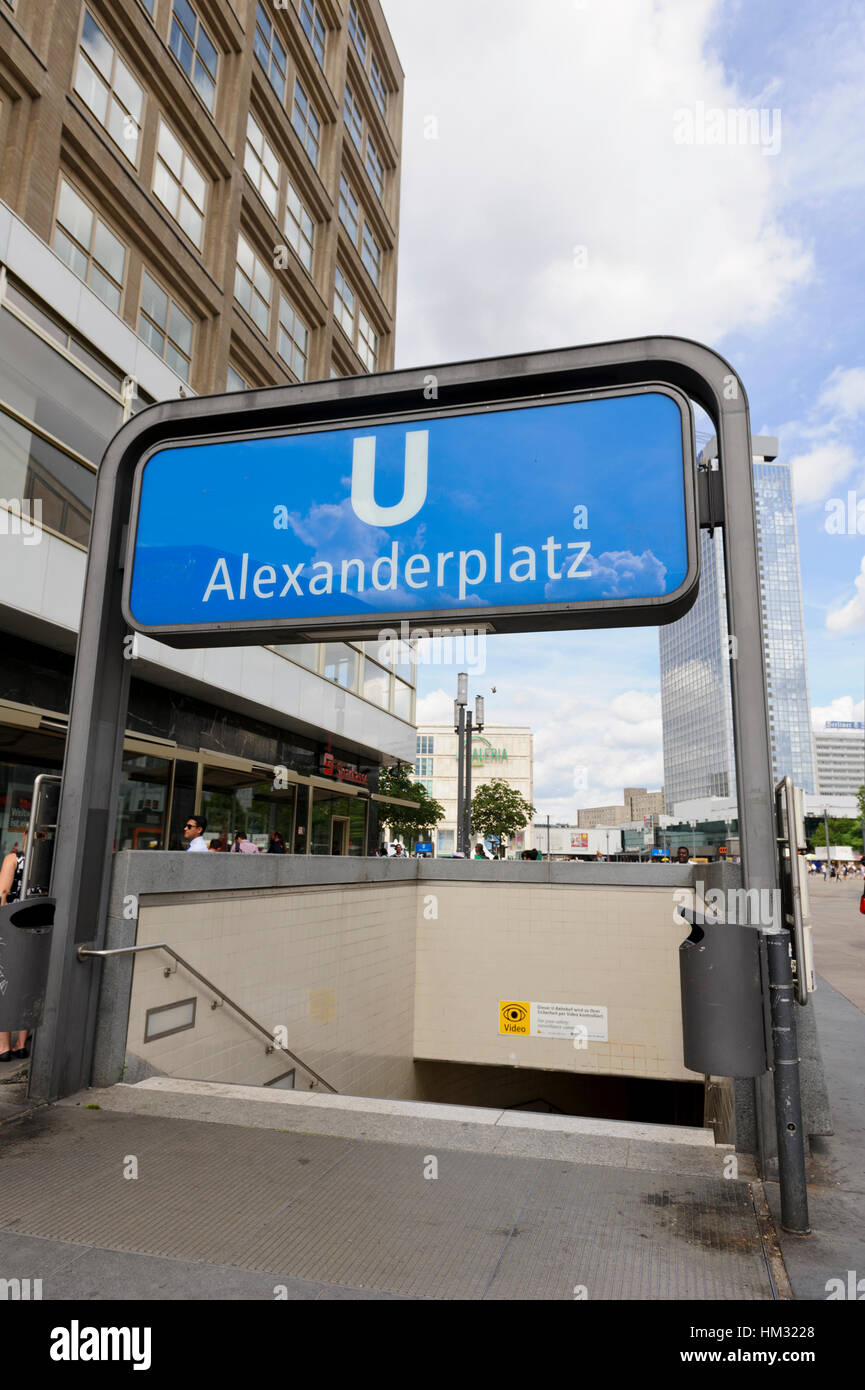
460, 731
472, 726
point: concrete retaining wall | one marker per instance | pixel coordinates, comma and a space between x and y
370, 963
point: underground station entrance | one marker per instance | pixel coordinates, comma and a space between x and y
189, 547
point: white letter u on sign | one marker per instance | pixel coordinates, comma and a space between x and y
414, 488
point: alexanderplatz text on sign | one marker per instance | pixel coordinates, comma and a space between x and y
543, 491
557, 514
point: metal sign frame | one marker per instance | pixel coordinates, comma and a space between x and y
537, 617
63, 1051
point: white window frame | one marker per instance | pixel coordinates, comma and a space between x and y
342, 311
261, 164
129, 140
164, 328
286, 309
89, 252
307, 136
295, 230
187, 163
200, 28
253, 280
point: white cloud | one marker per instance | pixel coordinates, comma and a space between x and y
555, 205
850, 617
844, 391
587, 749
817, 473
845, 709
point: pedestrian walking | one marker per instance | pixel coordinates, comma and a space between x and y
11, 883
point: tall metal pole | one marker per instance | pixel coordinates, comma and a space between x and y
461, 733
826, 827
467, 782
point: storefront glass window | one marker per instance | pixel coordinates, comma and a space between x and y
232, 801
142, 802
338, 823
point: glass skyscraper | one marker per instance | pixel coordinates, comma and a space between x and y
695, 678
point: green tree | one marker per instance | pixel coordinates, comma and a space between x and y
860, 797
404, 822
499, 810
841, 832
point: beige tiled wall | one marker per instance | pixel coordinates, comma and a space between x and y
364, 978
577, 944
334, 965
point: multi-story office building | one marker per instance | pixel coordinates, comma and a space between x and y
637, 804
499, 752
840, 754
194, 196
695, 653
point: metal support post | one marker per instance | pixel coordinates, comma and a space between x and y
461, 734
467, 785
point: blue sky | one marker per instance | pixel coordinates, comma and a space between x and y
556, 191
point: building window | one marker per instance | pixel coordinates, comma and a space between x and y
423, 767
293, 341
402, 700
178, 185
367, 342
340, 664
234, 381
269, 52
164, 327
376, 684
194, 51
306, 123
426, 746
313, 26
376, 81
299, 228
371, 255
261, 164
84, 242
343, 305
357, 31
348, 208
353, 118
105, 84
253, 285
375, 169
149, 6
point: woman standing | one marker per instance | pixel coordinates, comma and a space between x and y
11, 879
277, 843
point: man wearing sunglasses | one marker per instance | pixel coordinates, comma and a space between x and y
193, 834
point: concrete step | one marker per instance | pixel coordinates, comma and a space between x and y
616, 1143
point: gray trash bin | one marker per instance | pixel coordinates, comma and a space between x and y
25, 944
723, 1019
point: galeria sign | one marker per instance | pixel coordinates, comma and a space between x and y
571, 513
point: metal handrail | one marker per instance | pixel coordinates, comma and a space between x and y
84, 951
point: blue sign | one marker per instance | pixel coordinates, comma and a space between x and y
423, 848
658, 854
537, 511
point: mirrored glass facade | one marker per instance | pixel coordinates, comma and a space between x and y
695, 679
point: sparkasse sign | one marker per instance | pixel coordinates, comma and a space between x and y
572, 512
